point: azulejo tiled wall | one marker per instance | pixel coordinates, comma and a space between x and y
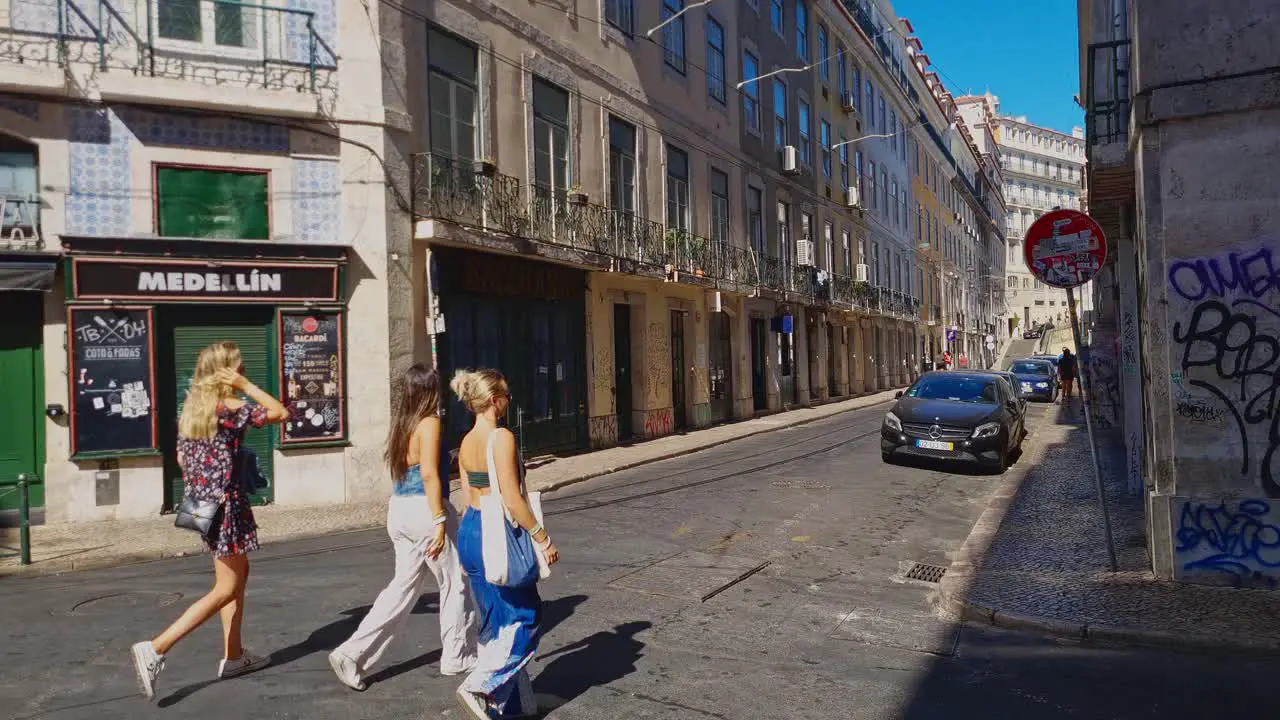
26, 108
324, 20
206, 132
99, 192
317, 193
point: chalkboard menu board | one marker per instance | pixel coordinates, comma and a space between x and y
112, 372
311, 377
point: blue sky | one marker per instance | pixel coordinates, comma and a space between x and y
1029, 58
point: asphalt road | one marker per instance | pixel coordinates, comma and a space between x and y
649, 614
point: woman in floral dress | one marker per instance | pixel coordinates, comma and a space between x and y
210, 430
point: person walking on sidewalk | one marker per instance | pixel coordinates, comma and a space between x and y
1066, 372
510, 616
423, 526
210, 430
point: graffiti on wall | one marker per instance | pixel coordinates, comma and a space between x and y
1237, 540
1226, 352
602, 431
1104, 382
657, 362
658, 422
1129, 344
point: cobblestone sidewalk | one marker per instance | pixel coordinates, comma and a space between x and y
80, 546
1037, 560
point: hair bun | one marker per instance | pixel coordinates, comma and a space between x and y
462, 383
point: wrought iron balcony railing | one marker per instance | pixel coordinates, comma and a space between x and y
467, 193
1108, 92
20, 223
215, 42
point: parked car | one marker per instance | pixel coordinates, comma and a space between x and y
1037, 378
1016, 386
967, 416
1032, 334
1051, 359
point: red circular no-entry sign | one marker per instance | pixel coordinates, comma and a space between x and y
1065, 248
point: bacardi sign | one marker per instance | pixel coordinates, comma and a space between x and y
215, 280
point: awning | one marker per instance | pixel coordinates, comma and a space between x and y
31, 276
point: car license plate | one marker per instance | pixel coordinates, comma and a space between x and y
935, 445
1026, 387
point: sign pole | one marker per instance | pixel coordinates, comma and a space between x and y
1081, 372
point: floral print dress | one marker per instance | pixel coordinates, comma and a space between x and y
206, 469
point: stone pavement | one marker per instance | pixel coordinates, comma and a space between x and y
1037, 560
79, 546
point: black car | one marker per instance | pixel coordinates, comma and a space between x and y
1037, 378
969, 416
1032, 334
1016, 386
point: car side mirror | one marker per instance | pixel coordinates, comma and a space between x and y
897, 395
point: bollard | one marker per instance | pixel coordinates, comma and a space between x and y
24, 519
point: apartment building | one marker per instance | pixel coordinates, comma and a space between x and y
1043, 170
979, 115
175, 173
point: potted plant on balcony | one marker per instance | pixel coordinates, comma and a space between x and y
484, 167
577, 196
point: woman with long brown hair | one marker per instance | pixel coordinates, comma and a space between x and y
422, 525
210, 431
510, 615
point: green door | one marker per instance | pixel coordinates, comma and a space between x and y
184, 332
22, 377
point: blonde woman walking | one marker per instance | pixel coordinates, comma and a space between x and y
210, 430
510, 616
422, 525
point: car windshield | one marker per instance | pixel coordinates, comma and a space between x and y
957, 388
1030, 367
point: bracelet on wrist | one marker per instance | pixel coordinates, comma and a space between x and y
440, 519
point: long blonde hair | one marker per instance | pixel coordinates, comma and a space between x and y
200, 408
478, 388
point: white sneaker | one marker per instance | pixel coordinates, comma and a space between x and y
475, 705
246, 663
147, 663
346, 670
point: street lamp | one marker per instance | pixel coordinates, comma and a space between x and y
802, 68
649, 33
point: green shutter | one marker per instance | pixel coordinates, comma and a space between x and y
212, 203
21, 402
254, 332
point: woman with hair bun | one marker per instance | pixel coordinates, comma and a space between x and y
510, 616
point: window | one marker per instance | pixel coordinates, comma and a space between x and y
775, 16
856, 86
550, 137
207, 203
844, 165
719, 206
755, 219
677, 189
806, 233
829, 247
784, 231
452, 70
857, 170
871, 104
884, 188
622, 165
715, 61
893, 197
806, 152
673, 35
893, 130
1026, 283
884, 120
802, 29
824, 137
224, 25
824, 67
621, 14
873, 191
751, 91
844, 77
1013, 282
779, 113
875, 263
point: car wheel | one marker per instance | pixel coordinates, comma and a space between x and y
886, 458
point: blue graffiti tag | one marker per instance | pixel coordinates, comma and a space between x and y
1241, 542
1253, 274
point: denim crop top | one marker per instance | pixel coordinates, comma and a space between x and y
411, 483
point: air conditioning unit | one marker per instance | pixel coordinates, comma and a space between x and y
790, 160
851, 198
861, 272
804, 253
846, 101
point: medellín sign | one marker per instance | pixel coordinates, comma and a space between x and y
213, 280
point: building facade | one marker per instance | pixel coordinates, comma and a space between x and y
1181, 130
170, 179
1043, 170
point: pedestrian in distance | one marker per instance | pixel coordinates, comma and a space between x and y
210, 430
423, 527
1067, 370
510, 615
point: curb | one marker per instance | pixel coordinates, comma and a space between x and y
59, 566
952, 600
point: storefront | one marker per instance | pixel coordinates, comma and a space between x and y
140, 311
526, 319
26, 277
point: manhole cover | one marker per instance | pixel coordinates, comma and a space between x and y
125, 602
926, 572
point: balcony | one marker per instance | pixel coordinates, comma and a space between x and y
1108, 92
20, 223
260, 57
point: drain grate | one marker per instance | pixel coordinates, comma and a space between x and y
926, 572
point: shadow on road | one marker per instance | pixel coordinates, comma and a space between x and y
593, 661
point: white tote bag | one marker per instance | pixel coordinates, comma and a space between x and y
493, 513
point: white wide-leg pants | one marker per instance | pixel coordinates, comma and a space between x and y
409, 523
